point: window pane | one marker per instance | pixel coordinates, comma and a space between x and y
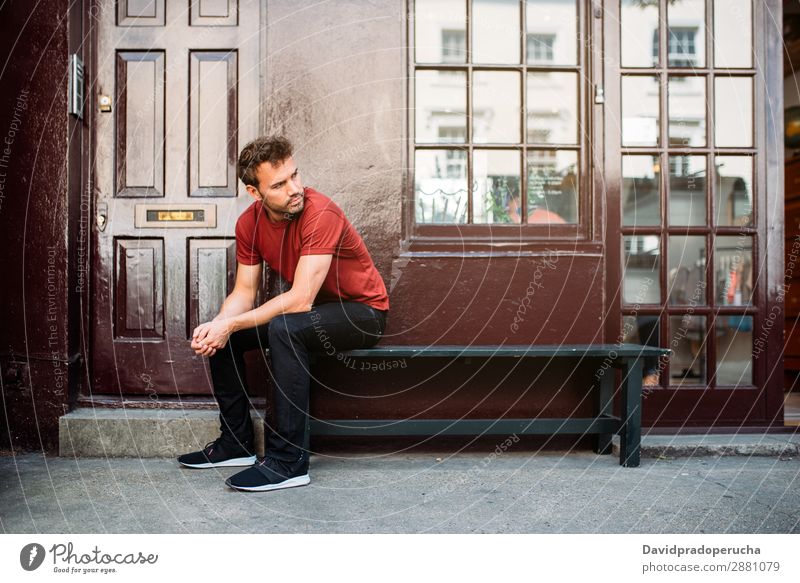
552, 112
733, 111
734, 189
496, 108
551, 32
734, 350
686, 271
497, 193
687, 111
644, 330
641, 268
440, 108
687, 190
641, 191
639, 110
733, 37
495, 31
440, 31
440, 186
686, 33
687, 335
639, 32
733, 268
552, 186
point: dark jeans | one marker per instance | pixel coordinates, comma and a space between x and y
291, 338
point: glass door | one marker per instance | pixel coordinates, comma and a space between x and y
684, 214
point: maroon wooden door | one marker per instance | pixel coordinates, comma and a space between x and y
178, 87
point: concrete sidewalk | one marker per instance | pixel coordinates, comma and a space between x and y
514, 492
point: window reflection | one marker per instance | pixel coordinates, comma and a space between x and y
686, 272
640, 281
687, 190
497, 36
541, 48
552, 187
640, 110
682, 46
440, 186
686, 20
551, 32
687, 335
687, 111
733, 33
440, 108
552, 111
641, 191
645, 330
497, 181
440, 31
496, 107
733, 268
734, 190
495, 31
733, 108
734, 350
639, 25
454, 45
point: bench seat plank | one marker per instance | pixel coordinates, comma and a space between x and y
513, 350
438, 427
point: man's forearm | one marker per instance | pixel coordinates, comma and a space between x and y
286, 303
234, 305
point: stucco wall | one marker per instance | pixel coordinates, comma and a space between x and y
335, 86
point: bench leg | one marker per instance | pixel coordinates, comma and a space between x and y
604, 406
631, 431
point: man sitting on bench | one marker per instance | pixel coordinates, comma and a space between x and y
337, 298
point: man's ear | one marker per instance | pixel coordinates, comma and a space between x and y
253, 191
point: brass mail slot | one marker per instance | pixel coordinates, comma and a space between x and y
162, 216
193, 215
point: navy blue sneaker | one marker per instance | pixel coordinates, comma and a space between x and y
271, 474
218, 454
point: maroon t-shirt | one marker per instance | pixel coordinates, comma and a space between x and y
320, 229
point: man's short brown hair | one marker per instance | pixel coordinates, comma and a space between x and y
272, 149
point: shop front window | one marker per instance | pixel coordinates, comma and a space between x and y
498, 130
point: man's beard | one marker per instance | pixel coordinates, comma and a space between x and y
292, 215
288, 215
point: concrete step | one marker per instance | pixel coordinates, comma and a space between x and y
786, 445
141, 433
163, 433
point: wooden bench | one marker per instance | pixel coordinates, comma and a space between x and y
627, 357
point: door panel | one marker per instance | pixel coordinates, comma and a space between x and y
140, 124
141, 12
138, 286
185, 85
213, 122
212, 267
214, 13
